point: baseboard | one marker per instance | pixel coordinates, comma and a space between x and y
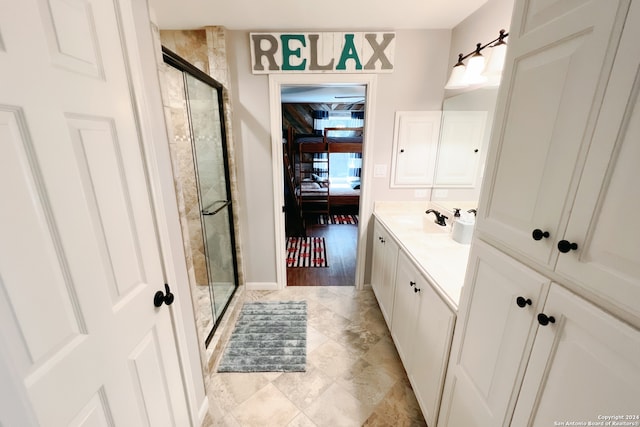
261, 286
204, 409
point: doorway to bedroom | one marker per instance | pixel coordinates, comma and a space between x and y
322, 170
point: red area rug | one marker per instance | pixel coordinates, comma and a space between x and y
338, 219
306, 252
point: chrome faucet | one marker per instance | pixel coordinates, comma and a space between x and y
440, 219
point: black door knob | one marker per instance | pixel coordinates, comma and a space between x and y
539, 234
544, 320
521, 301
565, 246
160, 297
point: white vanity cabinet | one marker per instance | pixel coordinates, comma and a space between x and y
583, 366
494, 334
527, 352
422, 330
385, 255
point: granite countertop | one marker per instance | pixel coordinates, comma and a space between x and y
441, 259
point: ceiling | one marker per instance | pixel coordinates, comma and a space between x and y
307, 15
327, 94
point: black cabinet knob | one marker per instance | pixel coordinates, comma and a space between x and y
521, 301
412, 283
402, 150
565, 246
544, 320
416, 289
539, 234
160, 297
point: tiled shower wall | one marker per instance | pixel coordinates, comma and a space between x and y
205, 49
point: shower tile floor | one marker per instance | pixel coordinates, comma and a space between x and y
354, 376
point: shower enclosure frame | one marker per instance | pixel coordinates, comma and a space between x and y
179, 63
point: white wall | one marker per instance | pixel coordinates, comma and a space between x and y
482, 26
417, 83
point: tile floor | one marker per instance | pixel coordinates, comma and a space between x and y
354, 375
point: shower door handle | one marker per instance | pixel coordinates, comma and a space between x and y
208, 211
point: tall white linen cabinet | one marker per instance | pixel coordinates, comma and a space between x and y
547, 330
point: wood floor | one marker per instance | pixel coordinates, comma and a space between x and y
341, 242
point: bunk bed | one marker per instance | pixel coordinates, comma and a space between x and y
307, 166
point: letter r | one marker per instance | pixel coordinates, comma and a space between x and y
269, 52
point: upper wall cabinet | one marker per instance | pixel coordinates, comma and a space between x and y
460, 149
602, 223
415, 145
561, 55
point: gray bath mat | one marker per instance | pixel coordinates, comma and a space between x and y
268, 337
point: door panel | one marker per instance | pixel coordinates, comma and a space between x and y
26, 229
461, 137
553, 87
95, 413
145, 362
583, 366
99, 160
71, 35
415, 147
491, 339
79, 256
602, 222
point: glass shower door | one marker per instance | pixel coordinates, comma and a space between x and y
204, 104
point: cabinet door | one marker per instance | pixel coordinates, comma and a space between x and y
415, 146
405, 306
492, 339
430, 355
602, 221
461, 138
385, 254
560, 55
583, 366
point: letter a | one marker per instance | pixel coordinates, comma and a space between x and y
348, 52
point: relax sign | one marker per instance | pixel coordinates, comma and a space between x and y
322, 52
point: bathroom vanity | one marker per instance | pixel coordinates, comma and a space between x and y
417, 275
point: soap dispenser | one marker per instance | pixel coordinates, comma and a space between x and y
456, 217
462, 229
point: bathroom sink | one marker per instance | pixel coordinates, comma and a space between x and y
430, 226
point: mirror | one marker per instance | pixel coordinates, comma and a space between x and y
462, 150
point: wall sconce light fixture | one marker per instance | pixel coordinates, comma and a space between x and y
475, 73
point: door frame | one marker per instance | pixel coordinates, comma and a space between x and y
276, 81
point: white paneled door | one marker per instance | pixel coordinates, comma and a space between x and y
79, 255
